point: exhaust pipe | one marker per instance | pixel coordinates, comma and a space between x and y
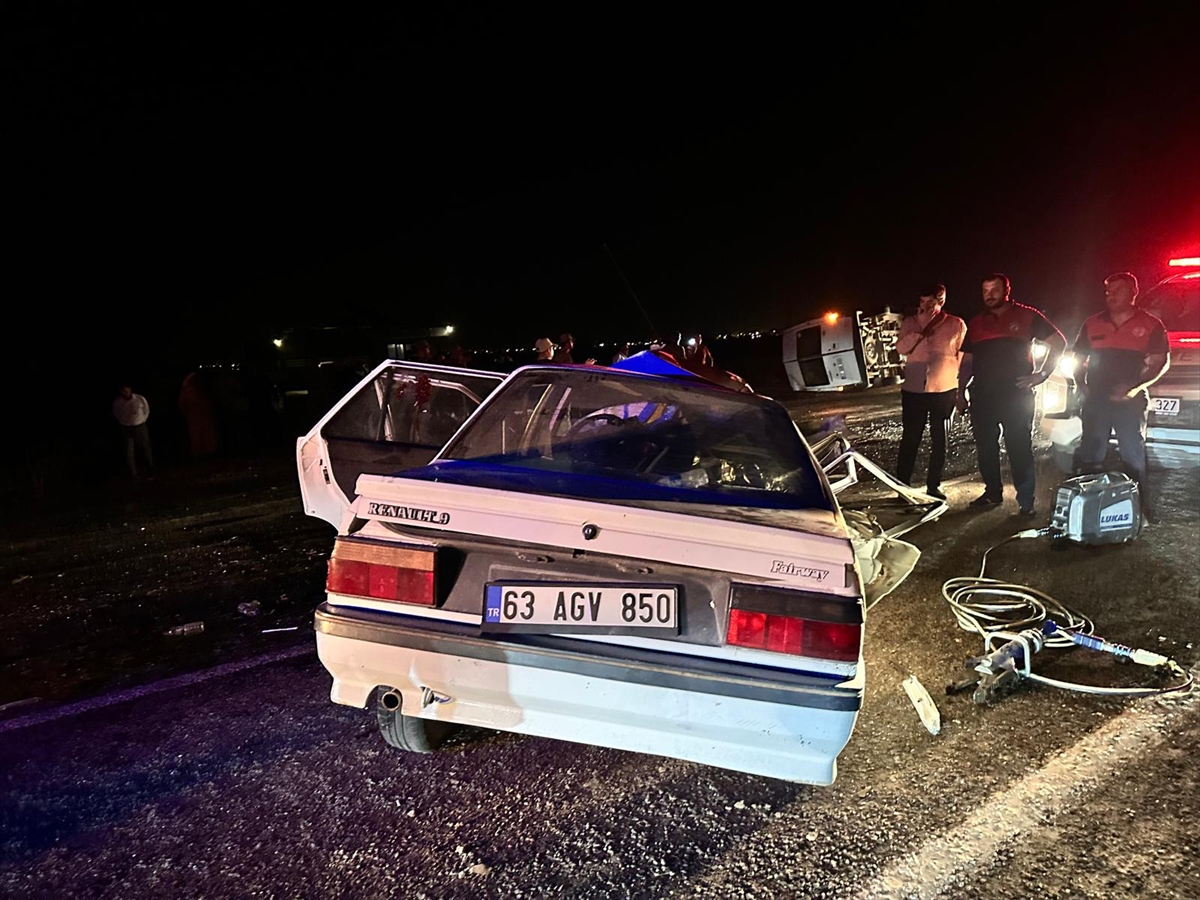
390, 700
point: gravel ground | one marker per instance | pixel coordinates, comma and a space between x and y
253, 784
1133, 839
89, 591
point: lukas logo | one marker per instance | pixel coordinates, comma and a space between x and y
1116, 516
411, 513
779, 567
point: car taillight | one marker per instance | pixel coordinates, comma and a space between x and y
794, 622
382, 572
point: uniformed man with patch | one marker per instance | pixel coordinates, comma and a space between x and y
998, 376
1121, 352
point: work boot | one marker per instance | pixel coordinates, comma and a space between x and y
935, 491
986, 501
1026, 512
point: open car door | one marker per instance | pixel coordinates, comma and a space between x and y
396, 418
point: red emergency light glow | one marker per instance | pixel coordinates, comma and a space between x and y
831, 318
1190, 275
1183, 339
380, 572
1184, 261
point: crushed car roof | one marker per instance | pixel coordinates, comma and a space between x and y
662, 364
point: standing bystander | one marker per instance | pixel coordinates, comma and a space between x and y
997, 377
197, 410
931, 342
132, 412
1122, 351
566, 344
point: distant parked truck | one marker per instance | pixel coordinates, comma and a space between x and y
836, 351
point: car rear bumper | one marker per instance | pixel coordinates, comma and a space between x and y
766, 722
1173, 448
1167, 448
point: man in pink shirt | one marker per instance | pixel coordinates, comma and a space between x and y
931, 341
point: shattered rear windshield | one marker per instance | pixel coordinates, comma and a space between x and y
595, 433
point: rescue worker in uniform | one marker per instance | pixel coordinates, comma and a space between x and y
931, 342
1121, 351
997, 378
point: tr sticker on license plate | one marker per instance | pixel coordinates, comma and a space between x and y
574, 608
1166, 406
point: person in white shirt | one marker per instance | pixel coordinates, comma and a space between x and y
931, 342
621, 354
132, 412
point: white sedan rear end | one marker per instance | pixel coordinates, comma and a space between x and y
647, 563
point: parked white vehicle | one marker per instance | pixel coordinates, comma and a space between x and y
642, 562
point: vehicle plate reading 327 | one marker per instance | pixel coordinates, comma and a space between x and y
599, 608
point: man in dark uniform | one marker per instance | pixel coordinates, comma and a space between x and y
998, 376
1122, 352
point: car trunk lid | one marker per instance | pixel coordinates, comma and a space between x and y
814, 559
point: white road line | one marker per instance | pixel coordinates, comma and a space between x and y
145, 690
942, 862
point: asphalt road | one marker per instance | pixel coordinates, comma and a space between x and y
250, 783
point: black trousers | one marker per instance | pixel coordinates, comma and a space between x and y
1010, 412
916, 409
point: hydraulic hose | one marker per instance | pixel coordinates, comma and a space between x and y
987, 606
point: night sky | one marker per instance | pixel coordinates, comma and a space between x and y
186, 180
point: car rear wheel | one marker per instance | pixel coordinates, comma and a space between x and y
407, 732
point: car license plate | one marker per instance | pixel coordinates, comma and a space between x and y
1166, 406
573, 608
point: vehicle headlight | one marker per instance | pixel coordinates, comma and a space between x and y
1067, 365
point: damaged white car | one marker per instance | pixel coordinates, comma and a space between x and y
648, 562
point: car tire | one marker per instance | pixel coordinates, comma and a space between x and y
408, 733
